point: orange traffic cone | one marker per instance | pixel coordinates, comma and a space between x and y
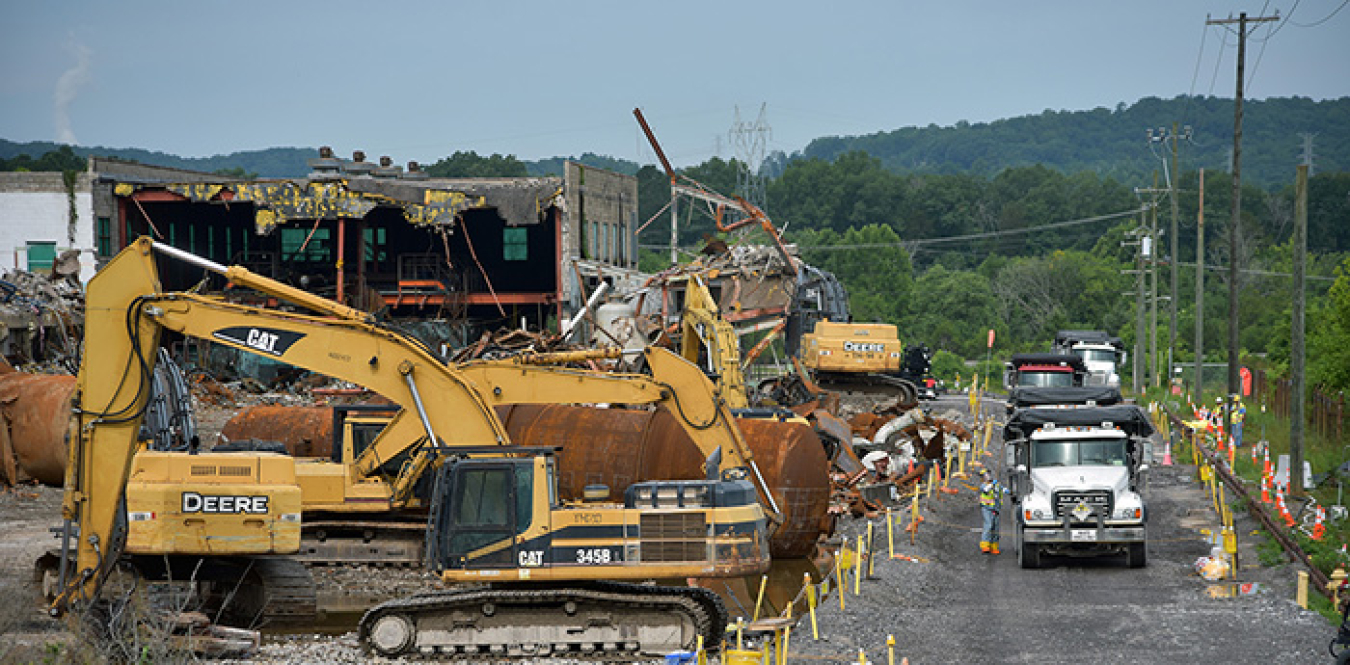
1284, 510
1267, 462
1319, 529
1265, 489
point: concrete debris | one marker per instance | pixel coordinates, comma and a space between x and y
42, 317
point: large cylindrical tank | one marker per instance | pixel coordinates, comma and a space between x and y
35, 410
307, 431
617, 447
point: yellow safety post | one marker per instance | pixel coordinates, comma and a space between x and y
839, 576
701, 656
787, 636
740, 631
858, 568
811, 605
932, 480
890, 650
1303, 589
870, 567
961, 461
759, 599
947, 479
988, 435
914, 517
862, 657
890, 534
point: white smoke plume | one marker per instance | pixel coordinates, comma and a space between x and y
67, 88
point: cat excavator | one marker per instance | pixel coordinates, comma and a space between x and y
231, 518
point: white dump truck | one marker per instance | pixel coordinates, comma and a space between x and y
1077, 476
1102, 354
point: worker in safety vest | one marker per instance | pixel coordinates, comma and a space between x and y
991, 502
1239, 415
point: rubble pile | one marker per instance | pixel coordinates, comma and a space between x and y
41, 317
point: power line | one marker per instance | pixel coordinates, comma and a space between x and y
976, 236
1219, 61
1314, 24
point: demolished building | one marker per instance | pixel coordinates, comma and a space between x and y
448, 257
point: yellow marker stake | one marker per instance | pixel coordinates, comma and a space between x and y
811, 605
700, 654
740, 630
759, 599
947, 480
869, 549
839, 577
1303, 589
862, 657
787, 636
890, 534
890, 649
858, 568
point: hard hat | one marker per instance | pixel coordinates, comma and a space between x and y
870, 459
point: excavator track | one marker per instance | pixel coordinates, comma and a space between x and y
275, 591
905, 392
605, 621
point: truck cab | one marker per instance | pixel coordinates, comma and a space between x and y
1101, 353
1077, 477
1035, 371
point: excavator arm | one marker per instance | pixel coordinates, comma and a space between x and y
705, 333
675, 384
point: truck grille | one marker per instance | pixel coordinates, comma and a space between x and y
674, 537
1100, 501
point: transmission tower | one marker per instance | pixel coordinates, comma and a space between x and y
750, 141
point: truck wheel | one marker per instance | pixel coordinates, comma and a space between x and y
1028, 555
1136, 556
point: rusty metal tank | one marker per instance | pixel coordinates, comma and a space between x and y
617, 447
34, 418
307, 431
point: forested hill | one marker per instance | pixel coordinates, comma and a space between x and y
1113, 142
1108, 142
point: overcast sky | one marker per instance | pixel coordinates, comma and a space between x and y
421, 80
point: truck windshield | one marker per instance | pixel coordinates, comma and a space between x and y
1088, 452
1045, 379
1096, 355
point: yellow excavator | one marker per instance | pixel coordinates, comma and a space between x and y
229, 518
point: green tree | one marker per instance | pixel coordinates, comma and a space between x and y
1329, 341
471, 165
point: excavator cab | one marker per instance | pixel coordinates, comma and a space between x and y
497, 518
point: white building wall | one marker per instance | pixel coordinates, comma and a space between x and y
33, 207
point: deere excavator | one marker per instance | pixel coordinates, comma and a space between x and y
493, 517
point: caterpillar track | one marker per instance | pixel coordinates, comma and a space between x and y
605, 621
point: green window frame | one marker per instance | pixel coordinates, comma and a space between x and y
515, 244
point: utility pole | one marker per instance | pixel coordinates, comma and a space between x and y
1235, 227
1200, 293
1153, 284
1307, 155
1296, 348
1162, 136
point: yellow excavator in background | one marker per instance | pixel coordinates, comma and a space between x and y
229, 518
